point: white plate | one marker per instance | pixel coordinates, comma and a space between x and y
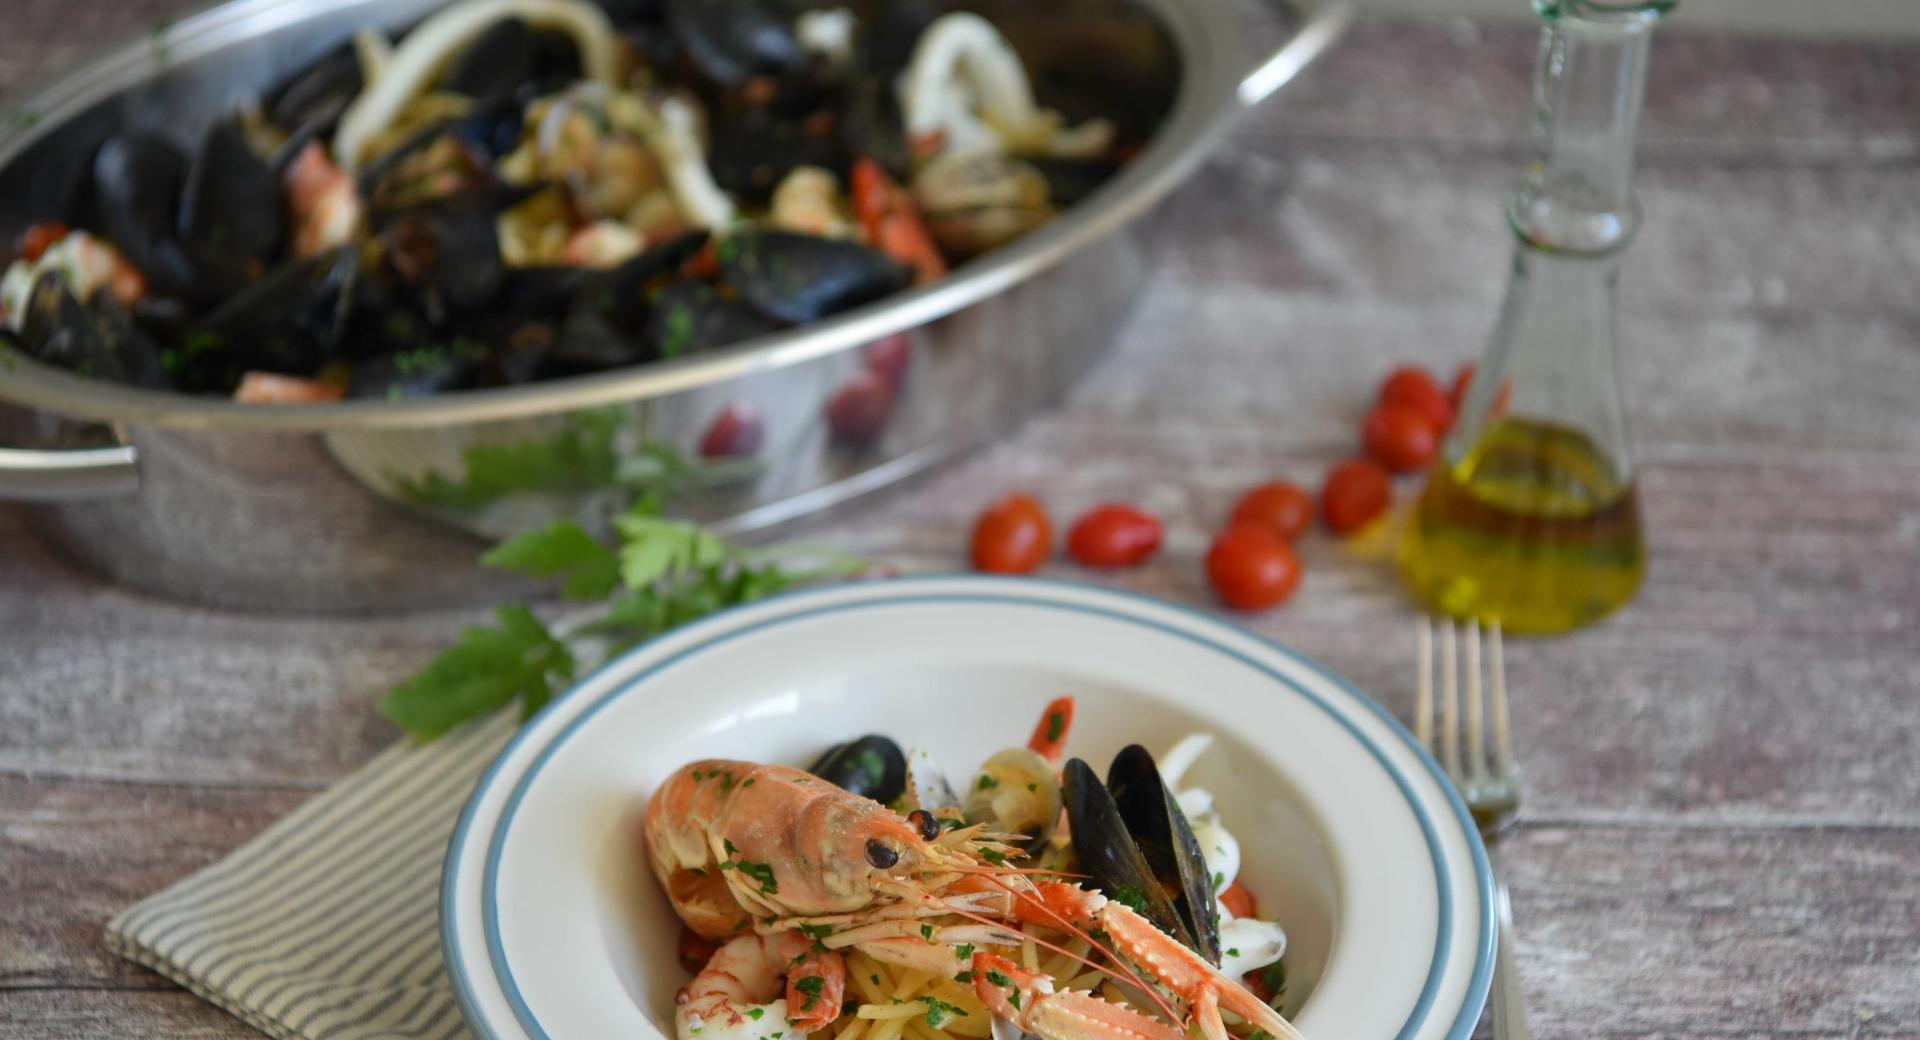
553, 927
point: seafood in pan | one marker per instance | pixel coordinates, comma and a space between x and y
516, 190
871, 899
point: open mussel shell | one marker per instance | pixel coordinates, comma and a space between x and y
1166, 843
798, 278
1015, 793
872, 766
1109, 855
927, 787
96, 339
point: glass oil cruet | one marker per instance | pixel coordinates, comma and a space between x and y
1530, 516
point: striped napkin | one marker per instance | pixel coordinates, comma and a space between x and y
326, 926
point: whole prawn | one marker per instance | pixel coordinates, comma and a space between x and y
788, 871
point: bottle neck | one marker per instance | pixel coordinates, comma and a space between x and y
1577, 195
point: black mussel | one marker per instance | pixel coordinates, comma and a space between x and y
96, 339
753, 152
418, 372
731, 41
588, 341
1166, 842
872, 766
495, 63
626, 14
892, 32
137, 182
294, 321
232, 211
620, 293
799, 278
316, 97
688, 317
448, 255
1110, 856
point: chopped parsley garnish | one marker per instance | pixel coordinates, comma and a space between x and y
811, 986
1233, 951
994, 976
994, 856
938, 1011
725, 843
963, 951
1056, 725
1033, 787
1131, 898
1218, 880
875, 979
762, 873
1014, 998
815, 931
965, 976
988, 783
756, 1013
748, 782
926, 932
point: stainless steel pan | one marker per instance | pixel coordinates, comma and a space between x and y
322, 507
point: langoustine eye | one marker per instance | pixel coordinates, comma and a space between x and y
881, 854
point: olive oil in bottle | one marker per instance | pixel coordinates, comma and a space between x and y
1534, 526
1529, 517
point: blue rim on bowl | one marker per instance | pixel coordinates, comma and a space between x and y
718, 631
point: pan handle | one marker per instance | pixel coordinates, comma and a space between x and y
1324, 24
32, 475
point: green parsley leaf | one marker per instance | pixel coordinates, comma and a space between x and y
965, 976
762, 873
938, 1011
987, 783
993, 856
963, 951
1131, 898
926, 932
998, 979
583, 456
1014, 998
1233, 951
811, 986
1056, 725
561, 548
485, 671
756, 1013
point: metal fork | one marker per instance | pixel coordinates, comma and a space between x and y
1485, 777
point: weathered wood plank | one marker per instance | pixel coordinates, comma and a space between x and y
71, 1014
71, 861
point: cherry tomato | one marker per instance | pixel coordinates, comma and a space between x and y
1413, 387
1356, 493
1285, 508
1400, 438
735, 433
890, 358
36, 240
1252, 568
1239, 901
695, 949
1012, 536
858, 411
1114, 535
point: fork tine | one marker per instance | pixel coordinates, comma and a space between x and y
1476, 736
1497, 673
1449, 699
1423, 685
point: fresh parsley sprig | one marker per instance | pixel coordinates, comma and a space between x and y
660, 574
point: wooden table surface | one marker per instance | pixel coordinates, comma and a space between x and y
1722, 829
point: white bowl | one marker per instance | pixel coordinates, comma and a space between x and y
553, 927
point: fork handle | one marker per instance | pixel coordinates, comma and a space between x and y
1509, 1008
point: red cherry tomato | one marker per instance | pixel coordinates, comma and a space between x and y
858, 411
1356, 493
36, 240
735, 433
1284, 508
1400, 438
1413, 387
890, 358
1114, 535
1252, 568
1012, 536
